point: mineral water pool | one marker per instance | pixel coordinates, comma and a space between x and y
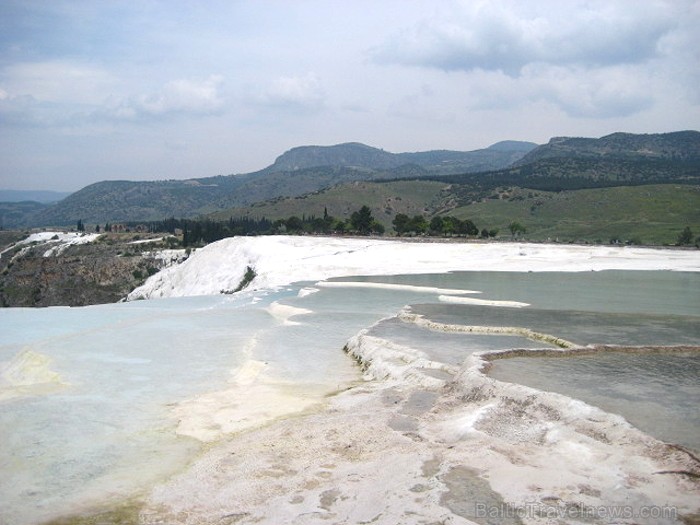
94, 400
658, 393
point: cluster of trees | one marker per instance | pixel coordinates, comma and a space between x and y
361, 222
576, 173
445, 226
197, 232
203, 231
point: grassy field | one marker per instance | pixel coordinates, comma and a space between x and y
653, 214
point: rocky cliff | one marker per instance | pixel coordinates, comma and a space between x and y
104, 271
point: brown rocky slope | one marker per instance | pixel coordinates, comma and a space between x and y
104, 271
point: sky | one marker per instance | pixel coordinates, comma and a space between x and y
95, 90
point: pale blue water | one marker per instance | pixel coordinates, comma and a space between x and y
110, 430
658, 393
658, 292
110, 433
445, 347
580, 327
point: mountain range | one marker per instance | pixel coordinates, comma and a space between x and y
564, 163
298, 171
678, 146
620, 159
356, 155
642, 189
41, 196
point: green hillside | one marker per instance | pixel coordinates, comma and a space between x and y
384, 199
356, 155
676, 146
19, 214
122, 201
653, 214
297, 176
299, 171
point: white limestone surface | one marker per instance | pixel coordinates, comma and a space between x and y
282, 260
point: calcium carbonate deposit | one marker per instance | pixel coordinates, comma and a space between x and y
359, 381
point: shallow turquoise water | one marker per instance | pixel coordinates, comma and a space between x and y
110, 432
615, 291
658, 393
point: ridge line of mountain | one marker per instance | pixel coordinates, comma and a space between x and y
618, 158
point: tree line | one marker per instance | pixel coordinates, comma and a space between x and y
576, 173
203, 231
445, 226
361, 222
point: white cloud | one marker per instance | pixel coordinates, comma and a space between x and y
499, 36
28, 111
588, 59
181, 96
57, 81
51, 93
300, 93
109, 83
64, 93
17, 109
601, 93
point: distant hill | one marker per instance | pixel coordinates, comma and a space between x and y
301, 170
638, 188
513, 145
128, 201
32, 195
620, 159
557, 174
351, 154
123, 201
677, 146
16, 215
356, 155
